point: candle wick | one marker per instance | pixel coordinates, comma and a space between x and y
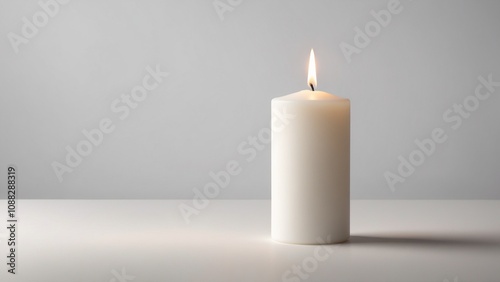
312, 86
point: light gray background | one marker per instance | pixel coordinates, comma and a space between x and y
223, 74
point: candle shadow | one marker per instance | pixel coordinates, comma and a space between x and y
424, 241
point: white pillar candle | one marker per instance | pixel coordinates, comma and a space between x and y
310, 166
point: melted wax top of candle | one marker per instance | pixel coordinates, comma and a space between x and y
311, 96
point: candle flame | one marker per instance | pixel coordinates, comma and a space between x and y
311, 76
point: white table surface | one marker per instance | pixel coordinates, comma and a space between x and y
148, 240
